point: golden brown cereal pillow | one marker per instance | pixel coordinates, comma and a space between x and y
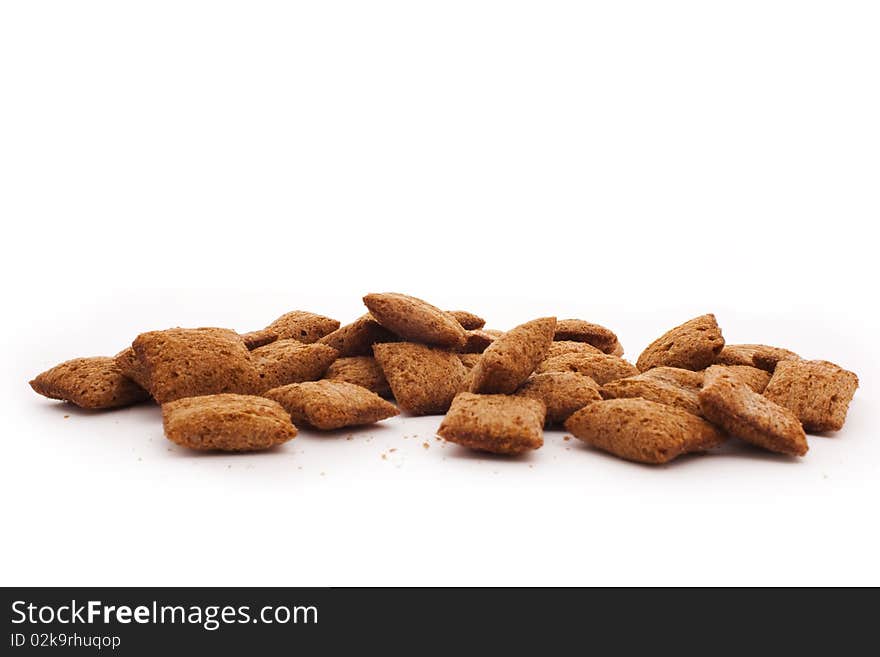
302, 326
468, 321
330, 405
693, 345
755, 378
641, 430
358, 338
577, 330
92, 383
416, 320
730, 403
562, 347
816, 391
500, 424
677, 376
131, 367
254, 339
508, 362
362, 371
192, 362
227, 422
761, 356
290, 361
424, 379
602, 368
563, 393
655, 390
477, 341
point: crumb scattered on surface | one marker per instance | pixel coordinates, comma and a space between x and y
566, 437
426, 445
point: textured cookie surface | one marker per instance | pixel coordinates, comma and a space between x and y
89, 383
423, 379
416, 320
129, 364
563, 393
577, 330
362, 371
302, 326
728, 402
602, 368
469, 321
358, 338
562, 347
816, 391
330, 405
191, 362
761, 356
290, 361
756, 379
477, 341
642, 430
254, 339
676, 375
655, 390
508, 362
227, 422
494, 423
469, 360
693, 345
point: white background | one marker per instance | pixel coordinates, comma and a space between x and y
629, 163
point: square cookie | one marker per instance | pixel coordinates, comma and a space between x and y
816, 391
93, 383
500, 424
416, 320
510, 359
693, 345
643, 431
182, 362
290, 361
330, 405
424, 379
227, 422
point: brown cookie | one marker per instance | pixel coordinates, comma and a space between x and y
730, 403
227, 422
254, 339
494, 423
477, 341
577, 330
302, 326
416, 320
602, 368
92, 383
560, 347
563, 393
424, 379
330, 405
468, 321
676, 375
755, 378
816, 391
761, 356
655, 390
642, 430
509, 361
692, 346
362, 371
130, 366
290, 361
358, 338
191, 362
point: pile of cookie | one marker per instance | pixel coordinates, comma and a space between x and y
687, 392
